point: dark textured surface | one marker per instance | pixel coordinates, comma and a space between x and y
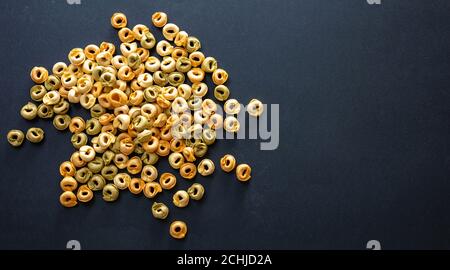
364, 150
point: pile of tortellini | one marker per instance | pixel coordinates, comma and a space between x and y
142, 107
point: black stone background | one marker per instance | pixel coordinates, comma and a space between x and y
364, 124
